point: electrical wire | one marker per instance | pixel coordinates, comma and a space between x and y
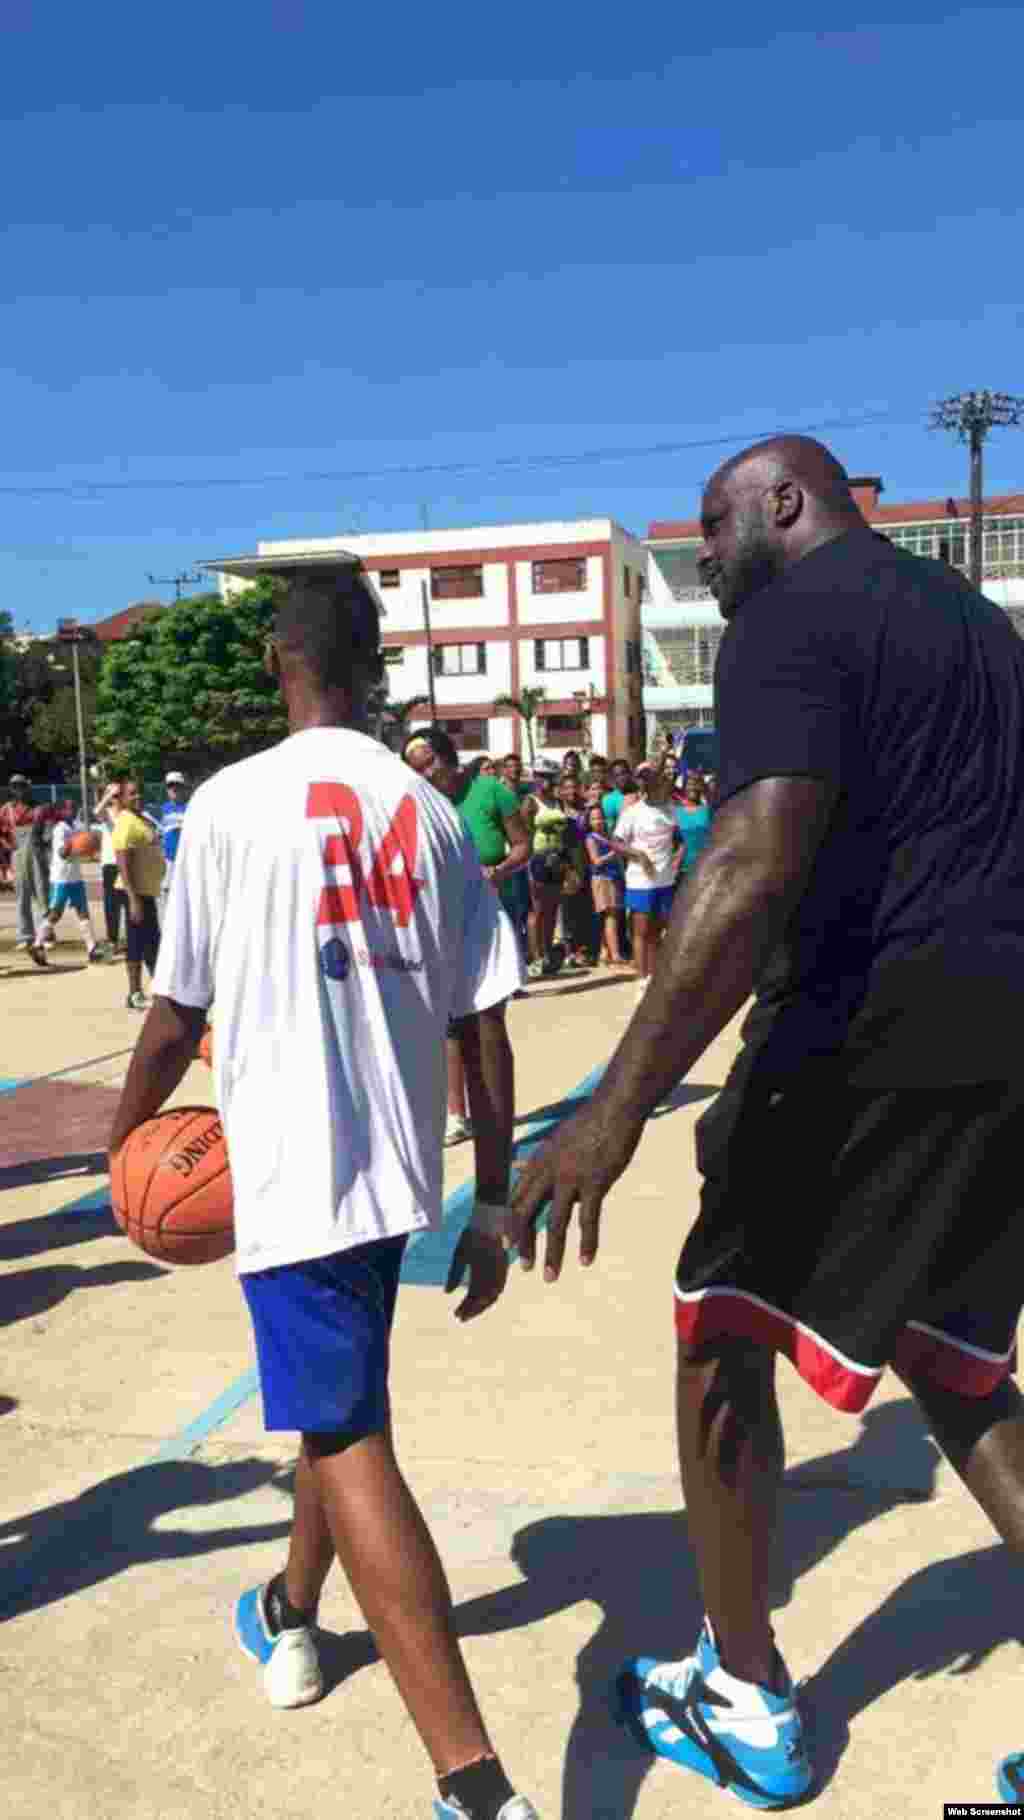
499, 464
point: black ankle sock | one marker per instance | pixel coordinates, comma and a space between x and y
481, 1789
281, 1613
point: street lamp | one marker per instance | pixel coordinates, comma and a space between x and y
969, 416
69, 632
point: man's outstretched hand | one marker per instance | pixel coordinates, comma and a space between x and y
575, 1167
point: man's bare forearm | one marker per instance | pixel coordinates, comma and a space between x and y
166, 1047
490, 1083
725, 923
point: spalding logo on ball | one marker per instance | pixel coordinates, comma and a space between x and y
171, 1187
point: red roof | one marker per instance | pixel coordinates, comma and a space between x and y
120, 625
915, 511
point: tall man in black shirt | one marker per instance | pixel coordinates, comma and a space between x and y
860, 1205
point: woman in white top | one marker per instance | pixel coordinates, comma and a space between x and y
650, 826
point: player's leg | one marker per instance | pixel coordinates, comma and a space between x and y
728, 1710
395, 1572
641, 932
457, 1124
731, 1456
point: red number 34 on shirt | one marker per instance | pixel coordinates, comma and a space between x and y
391, 883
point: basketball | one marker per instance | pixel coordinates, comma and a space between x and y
206, 1048
85, 844
171, 1187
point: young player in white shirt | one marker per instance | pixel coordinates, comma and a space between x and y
67, 892
650, 826
335, 908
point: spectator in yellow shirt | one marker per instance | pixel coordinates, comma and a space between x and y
140, 866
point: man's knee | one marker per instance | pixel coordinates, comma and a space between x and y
728, 1386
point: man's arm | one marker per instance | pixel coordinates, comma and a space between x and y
725, 922
518, 848
490, 1083
166, 1046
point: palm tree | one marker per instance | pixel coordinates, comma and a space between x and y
527, 705
395, 716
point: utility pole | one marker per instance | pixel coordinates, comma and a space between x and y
69, 632
970, 416
425, 594
177, 582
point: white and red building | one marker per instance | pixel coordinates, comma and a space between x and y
554, 606
682, 627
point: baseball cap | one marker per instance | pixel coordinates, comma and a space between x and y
546, 767
174, 777
18, 777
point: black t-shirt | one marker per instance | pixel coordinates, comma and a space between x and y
889, 675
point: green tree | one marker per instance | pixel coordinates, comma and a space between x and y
190, 686
53, 727
527, 705
395, 717
6, 662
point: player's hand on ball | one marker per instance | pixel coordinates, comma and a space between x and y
483, 1256
575, 1167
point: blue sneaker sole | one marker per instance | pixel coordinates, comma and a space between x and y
1007, 1791
624, 1713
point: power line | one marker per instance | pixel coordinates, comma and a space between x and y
503, 463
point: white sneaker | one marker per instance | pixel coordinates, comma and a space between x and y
291, 1669
518, 1808
457, 1129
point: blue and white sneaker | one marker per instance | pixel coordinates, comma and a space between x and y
516, 1809
1010, 1778
291, 1669
744, 1737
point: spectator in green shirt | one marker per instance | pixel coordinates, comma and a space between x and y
492, 816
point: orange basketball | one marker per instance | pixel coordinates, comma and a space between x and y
171, 1187
206, 1048
85, 844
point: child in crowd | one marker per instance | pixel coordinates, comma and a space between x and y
67, 891
606, 879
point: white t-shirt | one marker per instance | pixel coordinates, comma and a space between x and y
651, 830
63, 871
332, 904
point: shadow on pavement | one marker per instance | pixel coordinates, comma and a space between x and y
24, 1293
79, 1543
639, 1570
46, 1232
53, 1168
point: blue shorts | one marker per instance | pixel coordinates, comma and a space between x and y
68, 897
323, 1331
655, 902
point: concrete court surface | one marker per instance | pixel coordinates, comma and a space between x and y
138, 1498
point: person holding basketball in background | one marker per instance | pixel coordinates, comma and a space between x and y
334, 906
67, 892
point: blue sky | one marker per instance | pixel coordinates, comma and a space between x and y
272, 241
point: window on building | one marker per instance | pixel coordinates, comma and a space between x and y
560, 575
389, 578
562, 730
460, 660
561, 653
689, 651
463, 582
625, 580
466, 735
632, 657
949, 539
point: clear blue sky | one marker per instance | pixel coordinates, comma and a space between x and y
277, 239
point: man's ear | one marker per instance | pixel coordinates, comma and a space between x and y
271, 661
788, 500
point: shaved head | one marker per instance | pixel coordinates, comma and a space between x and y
766, 508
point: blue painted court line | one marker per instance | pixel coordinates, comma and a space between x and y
35, 1080
182, 1445
9, 1086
